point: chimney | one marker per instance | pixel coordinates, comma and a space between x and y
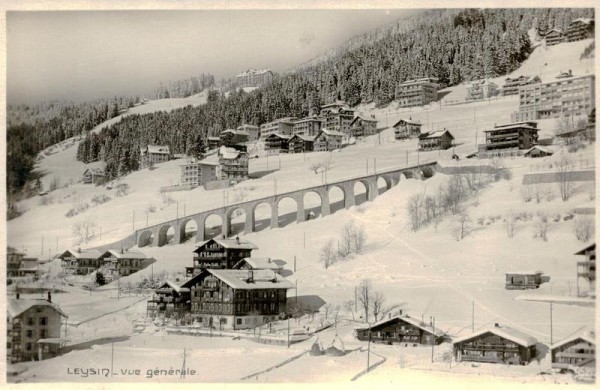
237, 239
400, 312
496, 325
79, 250
250, 276
18, 295
49, 297
389, 315
269, 260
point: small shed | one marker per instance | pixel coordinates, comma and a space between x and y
523, 280
538, 151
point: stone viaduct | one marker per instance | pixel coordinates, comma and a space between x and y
157, 234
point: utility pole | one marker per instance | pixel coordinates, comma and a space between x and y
288, 332
274, 186
294, 263
177, 210
551, 335
146, 219
304, 241
42, 245
133, 221
407, 157
367, 166
369, 349
433, 341
355, 299
184, 209
473, 317
296, 291
374, 164
112, 358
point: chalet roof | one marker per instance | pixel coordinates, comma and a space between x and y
174, 286
510, 127
435, 134
582, 20
524, 272
235, 132
541, 148
309, 119
584, 334
16, 307
308, 138
410, 122
229, 243
586, 249
29, 264
277, 135
260, 279
337, 103
404, 318
421, 80
558, 30
158, 149
253, 72
506, 332
259, 263
332, 132
95, 171
228, 153
10, 250
126, 254
82, 254
363, 118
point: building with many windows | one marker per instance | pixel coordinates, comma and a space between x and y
554, 37
435, 140
497, 344
80, 262
252, 131
402, 330
363, 126
254, 77
508, 140
404, 129
196, 173
33, 329
283, 126
124, 262
327, 141
154, 154
310, 126
565, 98
586, 269
482, 89
221, 253
575, 352
579, 29
237, 299
233, 164
512, 85
417, 92
276, 143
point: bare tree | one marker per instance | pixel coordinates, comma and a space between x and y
349, 305
122, 189
378, 303
365, 296
584, 228
510, 224
328, 253
84, 230
327, 308
541, 227
360, 238
315, 167
348, 238
455, 194
461, 226
414, 206
564, 165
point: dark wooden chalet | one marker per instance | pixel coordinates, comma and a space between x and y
404, 129
169, 298
436, 140
497, 344
586, 269
277, 142
237, 299
219, 253
401, 329
80, 262
522, 280
575, 352
300, 143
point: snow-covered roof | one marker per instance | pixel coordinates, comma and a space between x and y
247, 126
421, 80
82, 254
158, 149
309, 138
584, 334
410, 122
586, 249
406, 318
95, 171
240, 279
506, 332
558, 30
524, 272
362, 118
582, 20
228, 153
213, 138
435, 134
259, 263
337, 103
17, 306
332, 132
126, 254
541, 148
510, 127
278, 135
253, 72
234, 243
174, 286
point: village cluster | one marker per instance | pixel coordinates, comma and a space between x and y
226, 288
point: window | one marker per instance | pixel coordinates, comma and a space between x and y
28, 346
43, 333
43, 320
29, 333
239, 321
29, 320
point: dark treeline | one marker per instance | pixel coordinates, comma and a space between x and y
453, 45
184, 88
